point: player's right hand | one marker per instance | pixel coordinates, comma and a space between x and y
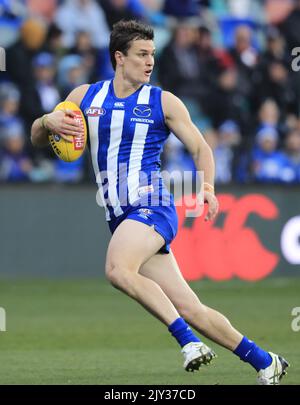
213, 205
63, 123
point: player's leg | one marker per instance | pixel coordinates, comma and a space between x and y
131, 245
163, 269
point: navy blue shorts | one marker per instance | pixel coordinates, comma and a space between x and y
163, 218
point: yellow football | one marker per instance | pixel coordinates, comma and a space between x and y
70, 151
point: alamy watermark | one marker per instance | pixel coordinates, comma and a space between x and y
296, 60
140, 189
2, 60
295, 325
2, 320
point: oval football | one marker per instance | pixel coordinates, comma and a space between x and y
70, 151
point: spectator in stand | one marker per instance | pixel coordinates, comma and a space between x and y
291, 165
19, 56
229, 138
181, 8
69, 172
54, 41
71, 73
116, 10
43, 96
44, 72
273, 77
267, 161
151, 10
43, 9
269, 116
9, 103
15, 164
243, 52
19, 63
245, 57
82, 15
224, 143
277, 11
178, 66
89, 55
39, 99
278, 83
226, 102
275, 48
14, 10
211, 60
290, 27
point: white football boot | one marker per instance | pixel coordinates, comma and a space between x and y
195, 354
273, 374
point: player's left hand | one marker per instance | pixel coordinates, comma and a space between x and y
213, 205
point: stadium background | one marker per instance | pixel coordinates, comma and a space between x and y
233, 64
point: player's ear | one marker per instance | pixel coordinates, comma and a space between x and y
119, 58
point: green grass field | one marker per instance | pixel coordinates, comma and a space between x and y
86, 332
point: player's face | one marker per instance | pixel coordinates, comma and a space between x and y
139, 62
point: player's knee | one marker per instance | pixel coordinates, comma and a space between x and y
118, 276
112, 273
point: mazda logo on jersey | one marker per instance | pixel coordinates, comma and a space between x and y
94, 111
142, 111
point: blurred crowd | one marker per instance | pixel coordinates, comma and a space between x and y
230, 61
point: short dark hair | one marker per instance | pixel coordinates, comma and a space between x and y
123, 33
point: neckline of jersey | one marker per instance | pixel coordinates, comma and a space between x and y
124, 98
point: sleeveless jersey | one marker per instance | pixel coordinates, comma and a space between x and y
126, 137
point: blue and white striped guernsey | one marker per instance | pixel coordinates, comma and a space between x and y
126, 137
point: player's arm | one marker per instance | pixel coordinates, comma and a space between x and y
58, 122
178, 120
